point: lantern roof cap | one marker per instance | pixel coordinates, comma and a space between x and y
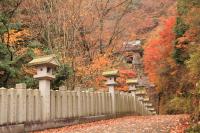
49, 60
112, 73
132, 81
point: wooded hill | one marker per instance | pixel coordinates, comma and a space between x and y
84, 35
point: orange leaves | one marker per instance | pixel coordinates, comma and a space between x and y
97, 65
94, 70
127, 73
16, 36
159, 50
100, 62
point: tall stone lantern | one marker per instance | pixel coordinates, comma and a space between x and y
112, 83
45, 66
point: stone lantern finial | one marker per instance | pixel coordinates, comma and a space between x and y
45, 66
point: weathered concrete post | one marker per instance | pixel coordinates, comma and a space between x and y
111, 83
132, 88
45, 66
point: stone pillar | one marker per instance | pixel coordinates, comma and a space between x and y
63, 90
4, 106
21, 91
88, 103
92, 112
80, 109
103, 103
112, 92
44, 88
12, 105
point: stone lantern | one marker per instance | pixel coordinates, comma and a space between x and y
140, 93
111, 79
45, 66
111, 83
132, 84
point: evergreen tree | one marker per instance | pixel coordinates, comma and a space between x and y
10, 63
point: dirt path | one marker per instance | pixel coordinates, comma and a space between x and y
131, 124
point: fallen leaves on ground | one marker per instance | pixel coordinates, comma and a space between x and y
130, 124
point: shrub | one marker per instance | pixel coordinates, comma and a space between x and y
181, 27
193, 129
178, 105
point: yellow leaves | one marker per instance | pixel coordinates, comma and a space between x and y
16, 36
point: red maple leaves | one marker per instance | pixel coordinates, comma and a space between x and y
158, 50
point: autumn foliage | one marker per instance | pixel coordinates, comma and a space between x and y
158, 50
124, 75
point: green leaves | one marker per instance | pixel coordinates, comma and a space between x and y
62, 74
181, 27
179, 54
